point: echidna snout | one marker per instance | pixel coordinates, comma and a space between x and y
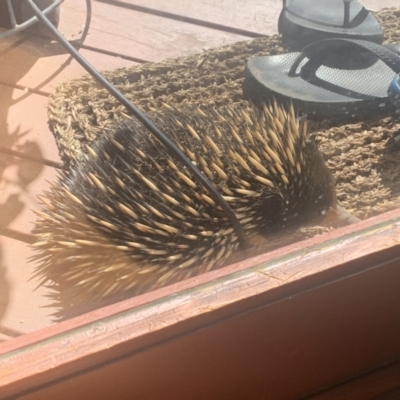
130, 216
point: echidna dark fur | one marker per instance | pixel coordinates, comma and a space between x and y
131, 216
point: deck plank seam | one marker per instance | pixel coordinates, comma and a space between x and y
183, 18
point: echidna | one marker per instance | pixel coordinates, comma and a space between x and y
131, 216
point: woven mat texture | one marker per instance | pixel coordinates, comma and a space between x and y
364, 157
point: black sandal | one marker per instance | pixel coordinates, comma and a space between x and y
333, 79
303, 22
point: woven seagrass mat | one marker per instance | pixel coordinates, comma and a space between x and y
363, 157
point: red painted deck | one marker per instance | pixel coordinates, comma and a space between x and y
148, 30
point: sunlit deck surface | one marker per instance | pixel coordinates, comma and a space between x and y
122, 34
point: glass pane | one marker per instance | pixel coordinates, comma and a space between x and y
113, 228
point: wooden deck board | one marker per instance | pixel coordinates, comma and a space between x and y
250, 15
113, 29
256, 16
149, 37
30, 66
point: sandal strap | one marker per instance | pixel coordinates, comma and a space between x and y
357, 20
347, 24
391, 59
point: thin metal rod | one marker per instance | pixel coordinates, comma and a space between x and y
147, 123
11, 14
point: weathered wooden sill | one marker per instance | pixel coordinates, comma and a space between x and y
281, 325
